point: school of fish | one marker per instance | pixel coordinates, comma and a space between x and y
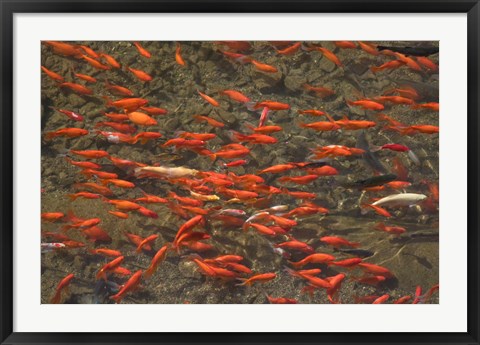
238, 192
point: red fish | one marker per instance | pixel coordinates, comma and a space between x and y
70, 114
337, 242
77, 88
131, 285
143, 76
156, 261
262, 278
60, 287
208, 99
142, 50
52, 75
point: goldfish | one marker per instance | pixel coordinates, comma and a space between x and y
316, 258
178, 56
90, 52
381, 299
142, 50
368, 48
253, 138
118, 183
265, 230
240, 58
236, 45
277, 169
65, 49
209, 99
147, 240
94, 63
321, 126
370, 280
366, 104
412, 64
264, 67
320, 91
345, 44
296, 245
313, 112
271, 105
52, 75
71, 114
49, 247
170, 172
110, 60
99, 174
396, 230
91, 154
52, 216
110, 266
387, 65
379, 210
159, 257
209, 120
346, 263
118, 90
102, 190
347, 124
143, 76
85, 195
394, 99
118, 214
123, 205
131, 285
330, 56
235, 96
136, 240
60, 287
77, 88
305, 179
375, 269
262, 278
87, 78
141, 119
106, 252
154, 110
403, 300
431, 106
337, 242
426, 62
290, 49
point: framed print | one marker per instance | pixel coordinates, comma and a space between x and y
198, 172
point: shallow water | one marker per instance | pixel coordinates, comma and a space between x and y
412, 257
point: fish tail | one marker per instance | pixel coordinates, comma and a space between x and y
56, 298
303, 125
72, 197
380, 226
148, 273
213, 157
50, 135
108, 101
374, 69
244, 280
116, 298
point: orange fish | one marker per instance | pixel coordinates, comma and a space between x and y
305, 179
106, 252
347, 124
264, 67
426, 62
235, 95
110, 60
85, 195
396, 230
178, 57
136, 240
336, 242
128, 104
376, 269
313, 112
379, 210
321, 126
52, 216
147, 240
159, 257
141, 119
92, 154
66, 132
345, 44
60, 287
65, 49
52, 75
272, 105
155, 110
118, 214
317, 258
388, 65
330, 56
395, 99
142, 50
431, 106
291, 49
262, 278
209, 120
368, 48
236, 45
94, 63
78, 88
118, 90
352, 262
366, 104
94, 187
89, 51
319, 90
131, 285
381, 299
143, 76
86, 77
110, 266
208, 99
295, 245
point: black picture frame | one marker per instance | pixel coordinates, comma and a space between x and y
10, 7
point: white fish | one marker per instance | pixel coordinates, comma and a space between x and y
48, 247
398, 200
